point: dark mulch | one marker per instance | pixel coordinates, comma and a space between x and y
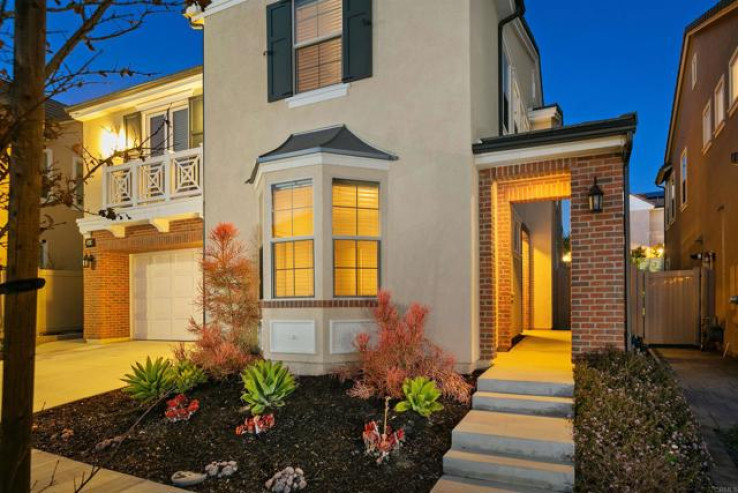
318, 430
730, 440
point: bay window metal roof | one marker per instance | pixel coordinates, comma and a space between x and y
332, 140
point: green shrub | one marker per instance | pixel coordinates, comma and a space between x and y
266, 384
150, 381
633, 429
421, 396
187, 376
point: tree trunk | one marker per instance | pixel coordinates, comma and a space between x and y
27, 96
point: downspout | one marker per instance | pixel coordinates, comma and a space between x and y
519, 12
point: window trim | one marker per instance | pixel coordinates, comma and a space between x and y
683, 179
732, 84
296, 46
719, 95
694, 67
378, 239
707, 117
269, 210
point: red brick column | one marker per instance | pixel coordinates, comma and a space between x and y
598, 310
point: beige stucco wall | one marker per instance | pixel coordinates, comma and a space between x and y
426, 102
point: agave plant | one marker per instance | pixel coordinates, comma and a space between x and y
150, 381
266, 384
187, 376
421, 396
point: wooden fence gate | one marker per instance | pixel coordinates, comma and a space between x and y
668, 307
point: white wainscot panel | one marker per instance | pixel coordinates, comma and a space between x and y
292, 336
344, 332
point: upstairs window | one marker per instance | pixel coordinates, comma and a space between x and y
293, 269
719, 104
707, 126
694, 70
175, 128
683, 174
317, 43
733, 71
356, 238
318, 29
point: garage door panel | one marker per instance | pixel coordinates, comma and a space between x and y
164, 289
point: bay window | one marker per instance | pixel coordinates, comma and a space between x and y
293, 270
356, 238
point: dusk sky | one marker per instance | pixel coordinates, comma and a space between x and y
600, 59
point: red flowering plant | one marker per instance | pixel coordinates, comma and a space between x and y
402, 351
229, 296
180, 408
256, 425
382, 444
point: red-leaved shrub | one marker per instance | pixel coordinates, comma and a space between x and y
227, 342
402, 351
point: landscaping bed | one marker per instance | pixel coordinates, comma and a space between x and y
319, 430
633, 429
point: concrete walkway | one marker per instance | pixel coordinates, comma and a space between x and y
710, 384
54, 474
67, 371
517, 437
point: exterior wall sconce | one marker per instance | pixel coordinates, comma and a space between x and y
596, 196
88, 261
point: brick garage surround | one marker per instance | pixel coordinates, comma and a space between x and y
598, 311
106, 285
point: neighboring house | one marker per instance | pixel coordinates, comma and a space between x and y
143, 231
60, 252
647, 220
385, 144
701, 163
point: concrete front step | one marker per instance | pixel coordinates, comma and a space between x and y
524, 404
526, 384
547, 476
455, 484
535, 437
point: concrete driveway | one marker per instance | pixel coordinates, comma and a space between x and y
67, 371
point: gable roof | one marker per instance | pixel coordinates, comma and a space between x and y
703, 21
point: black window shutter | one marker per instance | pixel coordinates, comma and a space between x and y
279, 50
357, 39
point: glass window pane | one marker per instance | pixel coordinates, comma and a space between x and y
282, 224
368, 282
344, 221
280, 284
303, 282
367, 254
157, 135
303, 254
368, 222
368, 196
344, 282
344, 195
344, 253
319, 65
302, 222
181, 132
302, 196
282, 199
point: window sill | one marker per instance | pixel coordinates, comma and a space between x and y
318, 95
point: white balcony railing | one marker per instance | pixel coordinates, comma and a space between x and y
157, 179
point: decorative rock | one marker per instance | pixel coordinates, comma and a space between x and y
109, 443
188, 478
222, 469
288, 480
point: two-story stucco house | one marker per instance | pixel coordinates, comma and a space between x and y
143, 227
385, 144
701, 161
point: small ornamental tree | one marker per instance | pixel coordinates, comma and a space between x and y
402, 351
229, 297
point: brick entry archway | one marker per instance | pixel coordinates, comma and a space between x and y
598, 311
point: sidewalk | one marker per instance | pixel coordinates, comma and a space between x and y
710, 384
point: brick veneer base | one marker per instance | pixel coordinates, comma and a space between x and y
106, 284
598, 247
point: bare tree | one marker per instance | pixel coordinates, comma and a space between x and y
41, 69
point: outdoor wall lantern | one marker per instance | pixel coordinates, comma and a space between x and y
596, 196
88, 260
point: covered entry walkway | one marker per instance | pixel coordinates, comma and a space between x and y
517, 437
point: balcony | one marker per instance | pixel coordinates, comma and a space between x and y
155, 190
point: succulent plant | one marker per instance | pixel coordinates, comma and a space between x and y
150, 381
421, 396
187, 376
266, 384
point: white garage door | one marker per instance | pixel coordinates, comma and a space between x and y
164, 290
